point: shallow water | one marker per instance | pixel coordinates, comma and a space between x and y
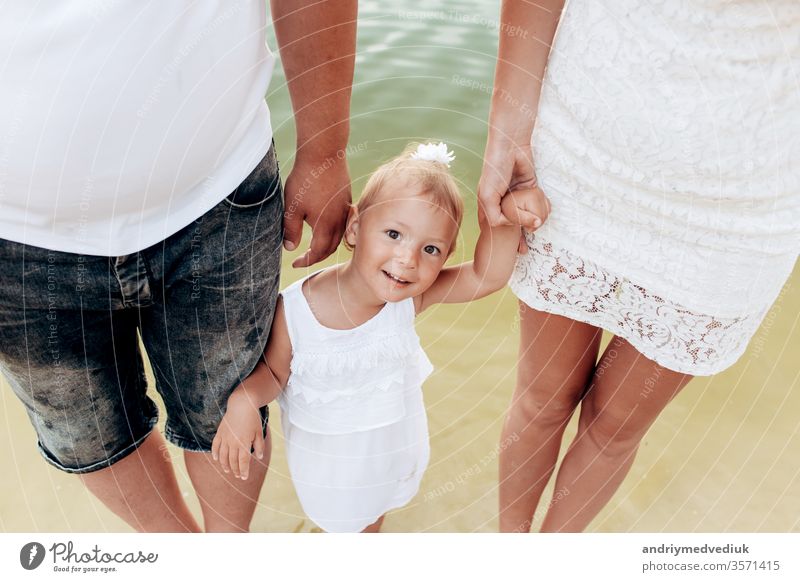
722, 457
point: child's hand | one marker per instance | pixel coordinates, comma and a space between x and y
528, 207
239, 431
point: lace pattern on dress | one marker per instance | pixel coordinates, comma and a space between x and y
554, 280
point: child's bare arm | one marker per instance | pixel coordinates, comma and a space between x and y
495, 254
265, 383
240, 428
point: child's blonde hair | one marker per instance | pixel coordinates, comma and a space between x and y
433, 179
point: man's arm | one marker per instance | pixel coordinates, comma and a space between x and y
317, 42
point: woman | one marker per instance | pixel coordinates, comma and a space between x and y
663, 138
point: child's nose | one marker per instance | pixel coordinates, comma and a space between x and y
408, 257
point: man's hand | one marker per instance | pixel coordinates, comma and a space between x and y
317, 41
317, 192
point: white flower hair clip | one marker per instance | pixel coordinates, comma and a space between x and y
434, 152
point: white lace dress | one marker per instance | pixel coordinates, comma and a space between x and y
668, 141
353, 416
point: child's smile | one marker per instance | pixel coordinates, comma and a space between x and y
396, 280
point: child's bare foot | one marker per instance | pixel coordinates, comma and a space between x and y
375, 527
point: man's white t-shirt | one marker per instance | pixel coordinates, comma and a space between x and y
123, 121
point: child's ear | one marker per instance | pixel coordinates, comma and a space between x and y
351, 231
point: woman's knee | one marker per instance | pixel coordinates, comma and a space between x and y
628, 393
545, 400
556, 362
611, 434
549, 394
608, 425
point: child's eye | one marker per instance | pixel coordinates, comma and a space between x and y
393, 234
432, 250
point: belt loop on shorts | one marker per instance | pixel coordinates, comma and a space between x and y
134, 284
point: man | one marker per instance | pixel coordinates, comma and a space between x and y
140, 197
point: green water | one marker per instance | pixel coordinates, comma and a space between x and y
722, 457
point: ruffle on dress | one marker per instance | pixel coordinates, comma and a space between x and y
365, 393
354, 358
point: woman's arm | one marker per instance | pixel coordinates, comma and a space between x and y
526, 34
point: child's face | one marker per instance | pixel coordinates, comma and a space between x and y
401, 244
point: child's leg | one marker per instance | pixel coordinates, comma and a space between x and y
228, 503
375, 527
627, 394
556, 359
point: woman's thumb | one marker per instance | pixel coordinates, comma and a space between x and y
489, 201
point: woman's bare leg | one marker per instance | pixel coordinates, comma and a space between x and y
556, 360
627, 393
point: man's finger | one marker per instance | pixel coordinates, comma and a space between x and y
321, 247
292, 229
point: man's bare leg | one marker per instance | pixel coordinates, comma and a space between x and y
228, 503
141, 488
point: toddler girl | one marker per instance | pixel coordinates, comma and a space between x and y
343, 359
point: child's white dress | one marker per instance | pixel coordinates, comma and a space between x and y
353, 415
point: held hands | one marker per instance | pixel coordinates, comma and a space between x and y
317, 191
507, 167
239, 431
529, 208
507, 191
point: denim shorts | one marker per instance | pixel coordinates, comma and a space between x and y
201, 302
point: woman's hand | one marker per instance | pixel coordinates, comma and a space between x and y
526, 34
506, 166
